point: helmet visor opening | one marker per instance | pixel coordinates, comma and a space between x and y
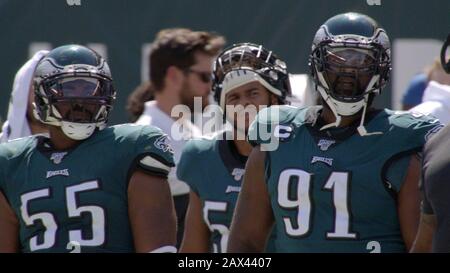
79, 87
348, 71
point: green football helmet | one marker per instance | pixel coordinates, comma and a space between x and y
74, 90
246, 62
350, 63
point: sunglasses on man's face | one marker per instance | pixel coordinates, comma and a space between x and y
204, 76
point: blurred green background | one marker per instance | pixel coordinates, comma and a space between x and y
123, 27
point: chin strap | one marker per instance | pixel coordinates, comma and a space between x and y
333, 109
361, 129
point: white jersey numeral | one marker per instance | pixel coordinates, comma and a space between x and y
374, 246
302, 202
223, 230
47, 219
97, 215
338, 183
74, 211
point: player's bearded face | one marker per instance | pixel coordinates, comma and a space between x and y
76, 99
348, 71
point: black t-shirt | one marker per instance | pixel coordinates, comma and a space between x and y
436, 186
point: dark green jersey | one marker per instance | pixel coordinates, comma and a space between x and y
214, 172
337, 194
78, 197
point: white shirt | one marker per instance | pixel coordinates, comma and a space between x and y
435, 102
152, 115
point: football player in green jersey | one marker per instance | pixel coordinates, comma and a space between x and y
343, 177
245, 75
86, 187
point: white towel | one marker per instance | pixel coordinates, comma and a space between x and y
435, 102
16, 125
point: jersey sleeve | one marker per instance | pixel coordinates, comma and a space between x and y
152, 152
416, 128
408, 135
187, 168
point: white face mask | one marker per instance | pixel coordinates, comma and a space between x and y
77, 131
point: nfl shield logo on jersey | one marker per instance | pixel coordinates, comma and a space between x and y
57, 157
324, 144
238, 173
